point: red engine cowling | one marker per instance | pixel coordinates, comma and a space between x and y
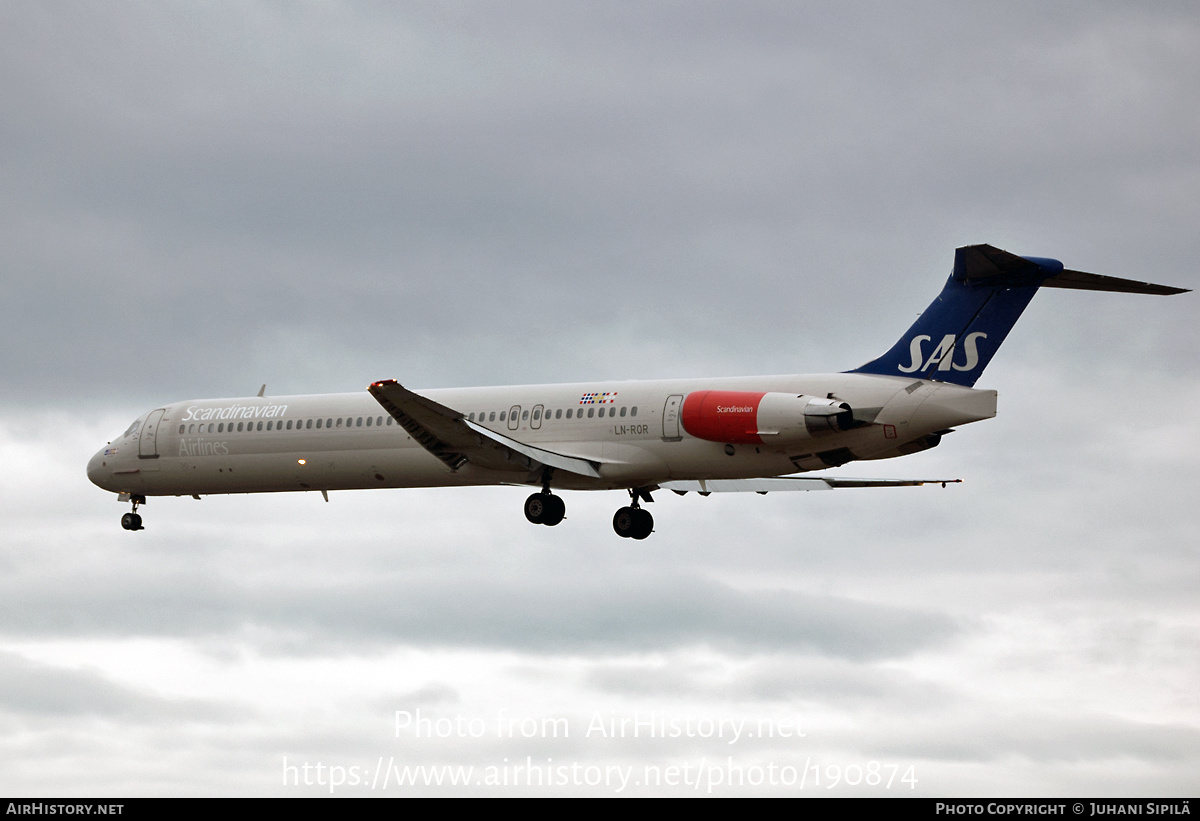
756, 418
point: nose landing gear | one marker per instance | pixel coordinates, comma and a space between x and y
133, 520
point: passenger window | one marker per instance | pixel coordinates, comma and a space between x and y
612, 411
239, 427
181, 428
558, 414
389, 420
357, 424
525, 416
633, 411
622, 410
502, 415
569, 413
591, 412
492, 416
260, 425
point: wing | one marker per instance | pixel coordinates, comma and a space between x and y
449, 436
768, 485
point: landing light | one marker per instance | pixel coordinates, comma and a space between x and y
300, 461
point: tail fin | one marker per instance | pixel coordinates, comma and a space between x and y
959, 333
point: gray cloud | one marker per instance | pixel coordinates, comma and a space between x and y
197, 202
615, 611
35, 690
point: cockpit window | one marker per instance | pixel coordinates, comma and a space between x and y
132, 428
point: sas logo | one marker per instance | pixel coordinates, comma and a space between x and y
943, 354
598, 398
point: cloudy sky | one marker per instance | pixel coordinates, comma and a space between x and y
198, 199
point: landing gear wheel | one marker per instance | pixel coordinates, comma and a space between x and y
556, 510
623, 522
545, 509
535, 508
643, 524
633, 523
132, 520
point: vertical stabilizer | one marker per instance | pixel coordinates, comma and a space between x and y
961, 330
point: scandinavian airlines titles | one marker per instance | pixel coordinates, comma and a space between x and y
943, 354
235, 411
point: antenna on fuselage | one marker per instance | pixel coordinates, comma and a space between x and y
263, 389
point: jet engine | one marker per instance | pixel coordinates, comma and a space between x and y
756, 418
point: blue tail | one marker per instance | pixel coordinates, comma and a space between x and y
959, 333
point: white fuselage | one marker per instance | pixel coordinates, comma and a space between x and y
632, 430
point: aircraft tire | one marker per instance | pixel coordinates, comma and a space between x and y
131, 521
556, 510
536, 508
624, 521
643, 524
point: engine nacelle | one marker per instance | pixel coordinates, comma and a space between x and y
755, 418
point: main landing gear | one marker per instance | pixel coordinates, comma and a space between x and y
633, 522
545, 508
133, 520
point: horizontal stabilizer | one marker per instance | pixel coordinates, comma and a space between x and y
987, 264
781, 483
1097, 282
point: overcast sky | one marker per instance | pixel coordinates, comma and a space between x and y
198, 199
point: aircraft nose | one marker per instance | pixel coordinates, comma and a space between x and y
97, 470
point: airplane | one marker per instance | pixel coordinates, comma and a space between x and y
733, 434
